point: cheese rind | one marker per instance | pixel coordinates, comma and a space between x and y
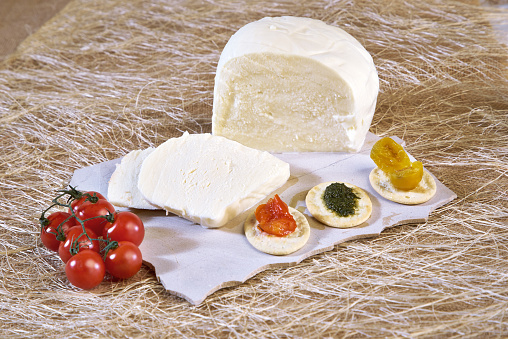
209, 179
294, 84
123, 185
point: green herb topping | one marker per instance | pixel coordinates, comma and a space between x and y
340, 199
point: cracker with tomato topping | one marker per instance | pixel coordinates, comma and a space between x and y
316, 205
382, 184
278, 245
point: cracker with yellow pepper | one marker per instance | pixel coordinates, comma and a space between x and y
396, 177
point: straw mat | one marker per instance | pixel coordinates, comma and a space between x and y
106, 77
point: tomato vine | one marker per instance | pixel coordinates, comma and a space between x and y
90, 223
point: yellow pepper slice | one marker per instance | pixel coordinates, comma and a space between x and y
389, 156
407, 178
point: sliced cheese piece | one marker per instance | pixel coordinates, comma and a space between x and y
317, 207
123, 185
273, 244
425, 190
294, 84
209, 179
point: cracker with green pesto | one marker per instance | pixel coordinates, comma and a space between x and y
339, 204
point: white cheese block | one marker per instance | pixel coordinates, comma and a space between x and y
294, 84
209, 179
123, 185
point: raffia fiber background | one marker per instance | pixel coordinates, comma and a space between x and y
106, 77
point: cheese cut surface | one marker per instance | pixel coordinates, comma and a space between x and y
209, 179
123, 185
294, 84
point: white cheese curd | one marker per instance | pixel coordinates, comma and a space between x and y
123, 185
209, 179
294, 84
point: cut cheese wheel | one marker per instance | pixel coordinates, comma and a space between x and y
209, 179
294, 84
123, 185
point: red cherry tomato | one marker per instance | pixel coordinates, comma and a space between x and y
123, 261
126, 227
54, 228
76, 237
86, 269
89, 209
91, 195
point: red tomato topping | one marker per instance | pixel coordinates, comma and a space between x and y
274, 217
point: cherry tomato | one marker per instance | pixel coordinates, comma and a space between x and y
89, 209
54, 228
76, 237
123, 261
274, 217
126, 226
91, 195
86, 269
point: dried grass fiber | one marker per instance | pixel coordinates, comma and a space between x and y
106, 77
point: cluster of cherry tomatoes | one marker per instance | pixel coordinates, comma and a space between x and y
92, 238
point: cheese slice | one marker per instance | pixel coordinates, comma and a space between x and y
209, 179
294, 84
123, 185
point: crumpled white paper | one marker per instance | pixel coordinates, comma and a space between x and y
192, 261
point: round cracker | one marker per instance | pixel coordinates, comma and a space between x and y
273, 244
317, 207
425, 190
